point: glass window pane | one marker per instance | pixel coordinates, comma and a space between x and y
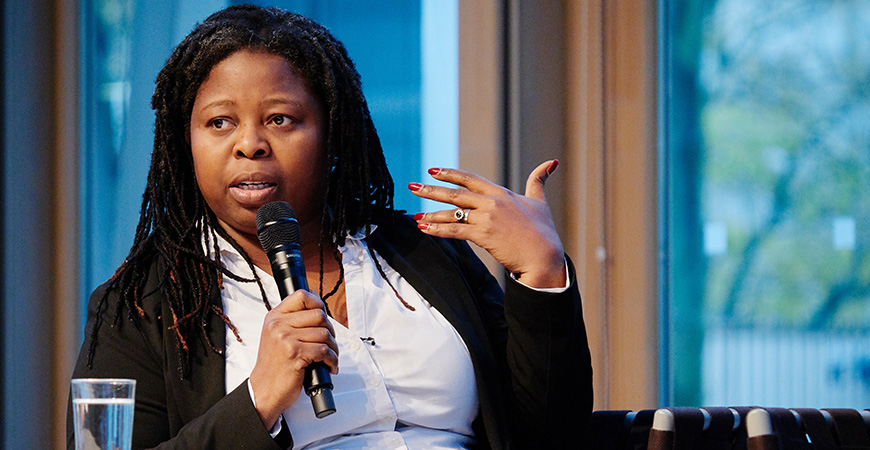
766, 125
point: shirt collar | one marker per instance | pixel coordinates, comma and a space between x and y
360, 234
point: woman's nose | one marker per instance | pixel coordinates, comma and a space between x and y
252, 143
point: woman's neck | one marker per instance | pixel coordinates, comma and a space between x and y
328, 270
310, 245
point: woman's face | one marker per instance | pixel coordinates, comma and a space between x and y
257, 136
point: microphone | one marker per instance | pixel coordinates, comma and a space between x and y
278, 231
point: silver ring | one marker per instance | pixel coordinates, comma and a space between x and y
461, 215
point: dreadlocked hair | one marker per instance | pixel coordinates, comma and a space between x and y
176, 225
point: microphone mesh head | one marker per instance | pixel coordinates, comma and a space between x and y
277, 225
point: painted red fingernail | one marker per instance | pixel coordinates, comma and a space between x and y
415, 186
553, 166
418, 216
423, 226
434, 171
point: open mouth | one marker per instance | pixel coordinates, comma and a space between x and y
253, 185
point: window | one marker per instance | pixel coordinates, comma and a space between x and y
766, 203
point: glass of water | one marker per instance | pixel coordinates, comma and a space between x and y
103, 413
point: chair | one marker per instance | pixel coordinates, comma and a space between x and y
817, 428
787, 427
641, 422
739, 435
661, 434
694, 428
759, 431
620, 429
850, 429
609, 429
677, 428
775, 428
727, 429
734, 428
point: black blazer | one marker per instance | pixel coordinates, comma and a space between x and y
529, 351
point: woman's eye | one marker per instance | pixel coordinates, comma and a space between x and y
280, 120
218, 123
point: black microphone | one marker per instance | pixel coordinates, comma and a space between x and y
278, 231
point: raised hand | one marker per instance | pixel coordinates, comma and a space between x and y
517, 230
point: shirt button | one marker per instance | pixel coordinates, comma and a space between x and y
375, 381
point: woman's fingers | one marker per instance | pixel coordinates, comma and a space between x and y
470, 181
300, 300
455, 196
517, 230
472, 188
301, 317
304, 309
307, 353
460, 216
477, 187
307, 345
309, 326
537, 179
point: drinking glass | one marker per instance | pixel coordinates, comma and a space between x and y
103, 413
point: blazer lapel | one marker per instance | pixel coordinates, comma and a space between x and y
428, 268
435, 276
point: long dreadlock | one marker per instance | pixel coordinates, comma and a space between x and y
175, 222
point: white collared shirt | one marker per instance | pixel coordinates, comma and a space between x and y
413, 388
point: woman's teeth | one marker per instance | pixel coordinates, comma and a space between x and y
252, 185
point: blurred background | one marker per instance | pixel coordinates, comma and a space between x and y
713, 192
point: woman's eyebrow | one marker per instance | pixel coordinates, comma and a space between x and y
217, 103
266, 102
282, 101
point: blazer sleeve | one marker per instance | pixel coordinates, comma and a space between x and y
541, 344
550, 364
136, 349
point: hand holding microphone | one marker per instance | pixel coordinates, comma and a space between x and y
293, 331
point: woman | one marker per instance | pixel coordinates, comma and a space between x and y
258, 105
